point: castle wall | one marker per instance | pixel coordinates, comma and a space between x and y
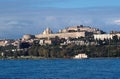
82, 29
62, 35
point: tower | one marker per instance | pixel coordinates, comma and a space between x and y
47, 31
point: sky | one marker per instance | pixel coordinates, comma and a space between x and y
19, 17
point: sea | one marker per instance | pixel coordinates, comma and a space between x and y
97, 68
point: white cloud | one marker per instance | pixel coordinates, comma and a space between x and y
51, 18
35, 21
12, 22
117, 22
112, 21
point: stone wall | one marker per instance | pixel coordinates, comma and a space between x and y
62, 35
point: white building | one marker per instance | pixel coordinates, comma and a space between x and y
103, 36
118, 35
47, 31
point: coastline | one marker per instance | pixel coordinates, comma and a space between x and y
42, 58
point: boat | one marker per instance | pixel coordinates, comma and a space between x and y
80, 56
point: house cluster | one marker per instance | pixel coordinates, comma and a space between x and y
64, 36
70, 35
6, 42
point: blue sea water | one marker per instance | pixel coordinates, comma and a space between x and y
60, 69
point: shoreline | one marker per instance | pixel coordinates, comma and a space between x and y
41, 58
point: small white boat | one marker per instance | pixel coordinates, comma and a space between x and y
80, 56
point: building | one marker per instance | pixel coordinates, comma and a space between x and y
103, 36
62, 35
43, 42
28, 37
118, 35
81, 28
6, 42
2, 43
71, 32
115, 32
47, 31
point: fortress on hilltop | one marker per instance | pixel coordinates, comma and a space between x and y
69, 32
81, 28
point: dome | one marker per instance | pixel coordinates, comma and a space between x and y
28, 36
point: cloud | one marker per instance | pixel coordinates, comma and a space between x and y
117, 22
12, 22
51, 18
35, 21
18, 23
112, 21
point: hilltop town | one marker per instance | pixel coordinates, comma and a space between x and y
78, 38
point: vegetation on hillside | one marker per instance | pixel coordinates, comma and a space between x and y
104, 48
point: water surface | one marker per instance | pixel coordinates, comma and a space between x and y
60, 69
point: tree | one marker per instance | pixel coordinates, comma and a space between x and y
115, 39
